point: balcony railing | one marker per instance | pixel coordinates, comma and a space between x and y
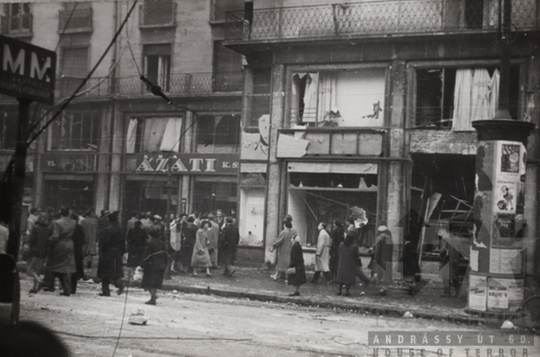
81, 20
157, 14
18, 25
378, 18
94, 87
186, 84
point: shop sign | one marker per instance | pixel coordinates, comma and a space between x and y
69, 162
188, 163
27, 71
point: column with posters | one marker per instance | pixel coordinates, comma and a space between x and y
496, 275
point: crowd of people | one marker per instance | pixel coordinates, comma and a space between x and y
337, 256
59, 244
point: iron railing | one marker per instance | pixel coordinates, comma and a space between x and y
378, 18
94, 87
157, 14
81, 20
186, 84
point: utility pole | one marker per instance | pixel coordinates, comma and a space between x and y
505, 25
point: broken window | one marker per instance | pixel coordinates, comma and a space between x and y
157, 64
18, 19
218, 133
75, 130
157, 13
454, 97
338, 98
74, 67
153, 135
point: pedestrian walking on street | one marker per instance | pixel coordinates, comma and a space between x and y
337, 235
154, 265
61, 258
214, 240
348, 264
38, 243
229, 240
322, 254
449, 264
201, 257
283, 245
354, 234
296, 273
111, 250
78, 245
382, 256
188, 242
136, 240
409, 260
90, 227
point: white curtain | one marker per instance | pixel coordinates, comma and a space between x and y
494, 95
171, 136
310, 98
131, 136
327, 94
462, 100
481, 95
153, 134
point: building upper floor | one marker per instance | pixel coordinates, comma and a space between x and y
296, 20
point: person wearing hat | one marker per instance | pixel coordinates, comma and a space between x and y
382, 256
154, 265
296, 273
229, 240
214, 238
111, 250
201, 257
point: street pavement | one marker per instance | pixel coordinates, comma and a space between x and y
184, 324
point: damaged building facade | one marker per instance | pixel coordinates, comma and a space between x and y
370, 104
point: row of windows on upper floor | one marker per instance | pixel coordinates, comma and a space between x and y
77, 16
442, 97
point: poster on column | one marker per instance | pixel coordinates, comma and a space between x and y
477, 293
505, 261
505, 197
504, 293
508, 161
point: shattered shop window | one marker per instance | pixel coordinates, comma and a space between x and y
454, 97
346, 98
218, 133
8, 127
75, 131
147, 135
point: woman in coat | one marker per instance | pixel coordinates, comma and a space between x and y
38, 244
296, 263
347, 264
136, 240
154, 265
111, 250
78, 249
282, 245
201, 256
409, 264
322, 255
382, 257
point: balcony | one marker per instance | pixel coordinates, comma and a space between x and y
81, 21
377, 18
17, 25
157, 14
346, 141
186, 84
94, 87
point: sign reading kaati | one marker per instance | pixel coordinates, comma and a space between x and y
27, 71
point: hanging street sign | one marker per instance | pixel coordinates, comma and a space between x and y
27, 71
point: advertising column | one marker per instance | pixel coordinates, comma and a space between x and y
496, 272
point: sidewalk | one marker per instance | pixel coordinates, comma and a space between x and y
256, 284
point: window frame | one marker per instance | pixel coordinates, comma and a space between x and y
95, 124
7, 20
236, 148
292, 70
140, 130
412, 86
155, 80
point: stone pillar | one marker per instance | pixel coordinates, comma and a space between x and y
118, 142
496, 269
102, 183
273, 180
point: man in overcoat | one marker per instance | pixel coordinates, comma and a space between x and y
111, 250
229, 240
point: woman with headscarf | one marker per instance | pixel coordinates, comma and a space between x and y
154, 265
296, 273
201, 256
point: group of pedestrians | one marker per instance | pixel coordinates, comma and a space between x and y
337, 256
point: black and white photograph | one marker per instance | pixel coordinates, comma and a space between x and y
304, 178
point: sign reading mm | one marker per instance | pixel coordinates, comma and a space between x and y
27, 71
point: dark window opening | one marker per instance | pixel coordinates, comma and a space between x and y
218, 133
156, 13
75, 131
18, 18
8, 130
74, 66
158, 64
260, 98
210, 196
79, 15
227, 74
437, 88
75, 194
